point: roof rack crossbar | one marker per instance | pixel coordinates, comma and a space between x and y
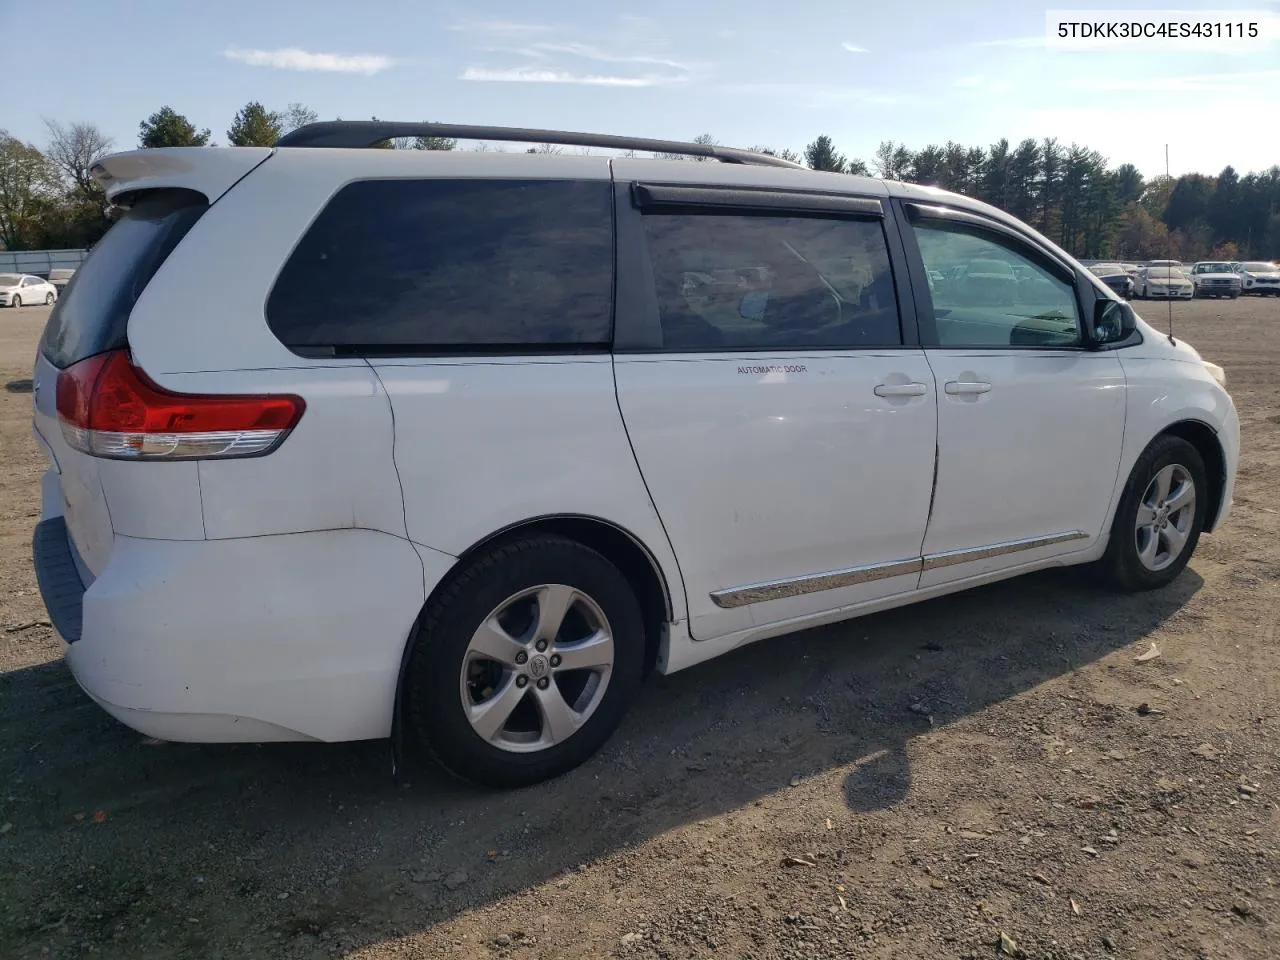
356, 134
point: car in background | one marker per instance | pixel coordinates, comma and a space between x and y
1215, 278
1164, 282
1114, 276
22, 289
1260, 277
60, 277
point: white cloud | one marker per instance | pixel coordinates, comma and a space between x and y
1031, 42
505, 27
818, 96
292, 58
1242, 82
982, 84
853, 47
527, 75
604, 56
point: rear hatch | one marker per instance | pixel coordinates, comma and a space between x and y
162, 193
90, 318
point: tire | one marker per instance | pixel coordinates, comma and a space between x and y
48, 299
1122, 567
508, 583
16, 302
1235, 296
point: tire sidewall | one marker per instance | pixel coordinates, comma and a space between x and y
1163, 452
434, 704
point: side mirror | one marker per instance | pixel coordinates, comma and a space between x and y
752, 306
1113, 321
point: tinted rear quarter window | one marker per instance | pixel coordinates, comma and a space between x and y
420, 266
92, 313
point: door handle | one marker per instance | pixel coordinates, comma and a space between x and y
958, 388
901, 389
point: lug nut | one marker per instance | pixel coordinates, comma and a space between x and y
555, 660
522, 681
543, 683
522, 657
541, 645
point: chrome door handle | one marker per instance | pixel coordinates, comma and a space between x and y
901, 389
957, 388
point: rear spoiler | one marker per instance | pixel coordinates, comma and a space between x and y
210, 171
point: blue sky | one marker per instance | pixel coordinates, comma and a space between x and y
747, 71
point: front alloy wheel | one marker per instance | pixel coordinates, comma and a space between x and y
1159, 518
1165, 517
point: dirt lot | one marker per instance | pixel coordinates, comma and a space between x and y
993, 762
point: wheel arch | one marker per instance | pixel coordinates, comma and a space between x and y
617, 544
1205, 439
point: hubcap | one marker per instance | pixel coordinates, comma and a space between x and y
537, 668
1165, 516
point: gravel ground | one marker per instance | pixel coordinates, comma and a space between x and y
995, 773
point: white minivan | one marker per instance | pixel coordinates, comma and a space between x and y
477, 439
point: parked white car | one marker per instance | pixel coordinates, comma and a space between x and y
1215, 279
1260, 277
457, 457
1159, 282
20, 289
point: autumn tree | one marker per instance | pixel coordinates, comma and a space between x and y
296, 115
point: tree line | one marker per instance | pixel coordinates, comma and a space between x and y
50, 199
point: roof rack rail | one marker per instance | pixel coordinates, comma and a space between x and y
356, 134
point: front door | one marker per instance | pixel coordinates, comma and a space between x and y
784, 431
1030, 423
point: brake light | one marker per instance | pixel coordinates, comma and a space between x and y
109, 408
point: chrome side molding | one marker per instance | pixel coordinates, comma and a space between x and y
732, 597
933, 561
796, 586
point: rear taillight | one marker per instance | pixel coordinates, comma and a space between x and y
109, 408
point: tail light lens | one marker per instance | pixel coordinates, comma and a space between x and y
109, 408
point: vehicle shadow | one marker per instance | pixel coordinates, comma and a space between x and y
213, 849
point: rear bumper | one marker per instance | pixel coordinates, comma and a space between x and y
58, 577
291, 637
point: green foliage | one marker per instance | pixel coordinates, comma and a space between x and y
821, 155
168, 128
28, 185
255, 126
1068, 192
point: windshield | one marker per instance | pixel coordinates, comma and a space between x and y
1260, 267
1107, 269
9, 279
1213, 268
1172, 272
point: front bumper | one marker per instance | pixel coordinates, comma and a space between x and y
1170, 294
1256, 287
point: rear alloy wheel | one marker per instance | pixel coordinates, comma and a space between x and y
525, 663
48, 299
1159, 518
